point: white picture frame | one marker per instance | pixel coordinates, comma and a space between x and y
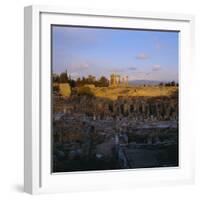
37, 133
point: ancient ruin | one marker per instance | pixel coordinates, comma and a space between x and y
116, 80
94, 133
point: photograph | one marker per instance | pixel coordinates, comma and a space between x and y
114, 98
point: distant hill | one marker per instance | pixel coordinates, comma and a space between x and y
145, 82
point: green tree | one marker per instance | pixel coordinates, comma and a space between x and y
56, 78
173, 83
64, 77
103, 82
161, 84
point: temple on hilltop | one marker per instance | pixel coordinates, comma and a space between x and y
116, 80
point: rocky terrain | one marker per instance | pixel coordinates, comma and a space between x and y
115, 128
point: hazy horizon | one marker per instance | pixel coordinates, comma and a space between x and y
139, 54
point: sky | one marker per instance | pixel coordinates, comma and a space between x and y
138, 54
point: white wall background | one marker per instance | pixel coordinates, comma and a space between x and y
11, 100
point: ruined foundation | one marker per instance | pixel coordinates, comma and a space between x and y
93, 133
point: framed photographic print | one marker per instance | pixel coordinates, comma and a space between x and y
106, 99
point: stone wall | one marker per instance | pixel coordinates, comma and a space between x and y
138, 108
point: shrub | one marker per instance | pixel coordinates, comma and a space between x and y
65, 89
55, 88
85, 91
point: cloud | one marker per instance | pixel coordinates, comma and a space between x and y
132, 68
156, 67
79, 66
74, 75
162, 74
142, 56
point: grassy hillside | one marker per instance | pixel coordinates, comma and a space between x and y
149, 91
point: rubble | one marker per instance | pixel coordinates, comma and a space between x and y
96, 133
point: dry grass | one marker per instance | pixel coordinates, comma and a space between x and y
148, 91
65, 89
